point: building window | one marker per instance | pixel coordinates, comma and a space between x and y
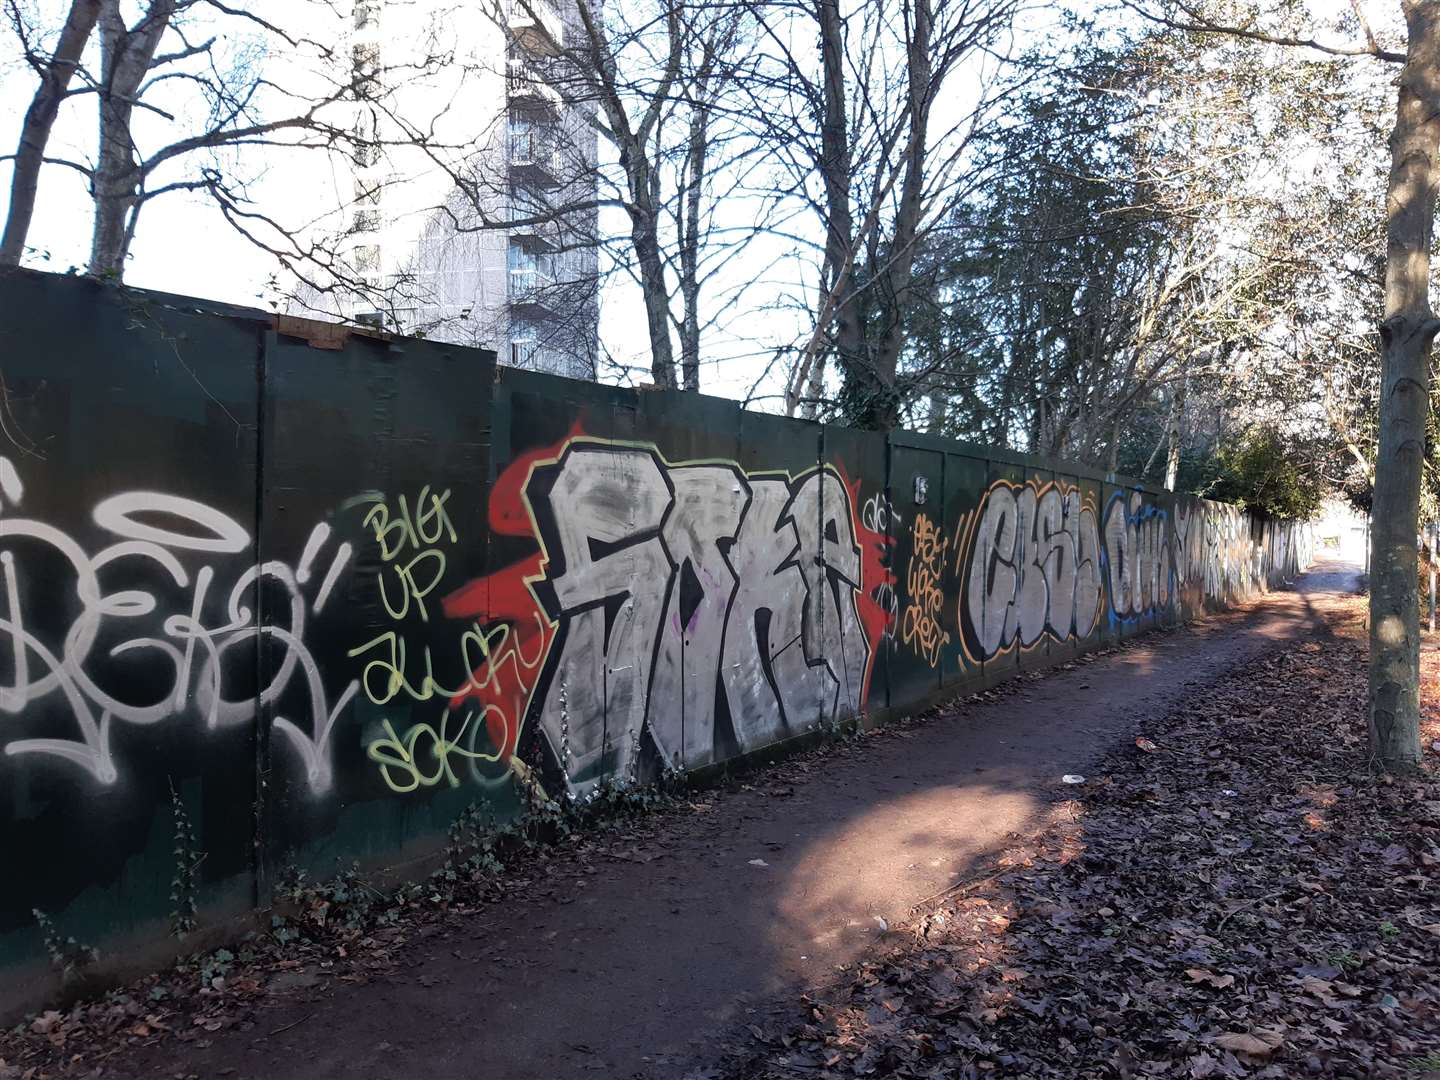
522, 260
367, 194
366, 139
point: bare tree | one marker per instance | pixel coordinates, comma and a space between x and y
629, 124
197, 71
707, 73
648, 83
861, 141
56, 68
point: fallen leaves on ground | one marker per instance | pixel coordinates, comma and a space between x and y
1243, 898
282, 971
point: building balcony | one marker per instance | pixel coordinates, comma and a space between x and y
526, 88
530, 356
534, 160
539, 238
532, 293
536, 237
536, 26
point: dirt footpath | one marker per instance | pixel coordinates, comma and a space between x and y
637, 963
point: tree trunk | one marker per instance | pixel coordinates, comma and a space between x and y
601, 74
814, 388
644, 214
1159, 444
900, 264
39, 119
690, 241
835, 171
657, 304
125, 57
935, 417
1172, 455
1405, 337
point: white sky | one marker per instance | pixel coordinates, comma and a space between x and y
184, 245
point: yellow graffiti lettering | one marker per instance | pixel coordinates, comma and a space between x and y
482, 653
395, 533
920, 625
410, 588
378, 521
413, 569
493, 653
392, 671
399, 762
433, 520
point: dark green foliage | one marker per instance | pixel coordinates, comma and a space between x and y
1034, 286
345, 902
1267, 472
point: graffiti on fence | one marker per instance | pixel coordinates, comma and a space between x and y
878, 601
1138, 556
683, 590
921, 627
411, 541
172, 627
404, 767
670, 606
1033, 568
681, 611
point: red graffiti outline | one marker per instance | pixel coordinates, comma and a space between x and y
505, 681
505, 603
875, 621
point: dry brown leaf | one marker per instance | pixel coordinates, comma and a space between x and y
1258, 1043
1202, 975
46, 1022
1202, 1066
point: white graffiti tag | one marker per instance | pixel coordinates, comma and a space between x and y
681, 589
1034, 568
172, 629
1137, 548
